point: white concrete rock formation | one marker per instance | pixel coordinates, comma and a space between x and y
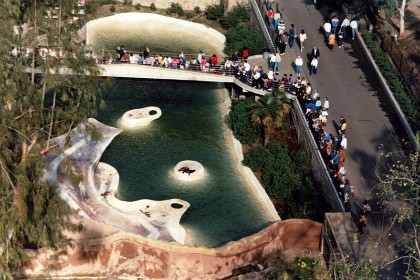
92, 187
189, 170
140, 117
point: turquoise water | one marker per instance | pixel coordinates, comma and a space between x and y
191, 128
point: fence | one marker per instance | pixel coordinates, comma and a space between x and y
319, 169
409, 73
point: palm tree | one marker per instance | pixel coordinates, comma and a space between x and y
270, 111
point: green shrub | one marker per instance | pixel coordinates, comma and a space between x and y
287, 178
153, 7
391, 75
189, 15
214, 12
137, 7
128, 2
112, 9
239, 14
175, 8
240, 122
197, 10
242, 36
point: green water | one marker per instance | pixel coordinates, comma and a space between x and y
191, 128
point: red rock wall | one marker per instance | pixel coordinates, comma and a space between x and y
109, 252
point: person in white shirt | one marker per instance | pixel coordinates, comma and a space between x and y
298, 64
353, 25
326, 105
277, 17
247, 68
302, 38
343, 143
327, 29
344, 25
273, 60
270, 75
314, 66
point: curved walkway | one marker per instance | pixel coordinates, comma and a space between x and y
346, 78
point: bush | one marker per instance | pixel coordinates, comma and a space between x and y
189, 15
137, 7
112, 9
287, 178
242, 36
128, 2
240, 122
175, 8
197, 10
214, 12
153, 7
239, 14
389, 72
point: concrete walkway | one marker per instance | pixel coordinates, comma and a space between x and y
345, 77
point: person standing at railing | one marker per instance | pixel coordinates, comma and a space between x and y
272, 60
269, 4
282, 27
277, 17
270, 15
203, 63
277, 63
245, 53
353, 25
146, 52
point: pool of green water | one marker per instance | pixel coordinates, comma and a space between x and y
191, 127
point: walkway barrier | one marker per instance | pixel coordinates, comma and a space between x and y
319, 169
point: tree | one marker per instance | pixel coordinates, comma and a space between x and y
242, 36
399, 194
241, 124
270, 112
393, 8
33, 109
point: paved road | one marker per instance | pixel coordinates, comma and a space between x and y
346, 78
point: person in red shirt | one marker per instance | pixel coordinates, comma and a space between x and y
214, 60
270, 15
245, 53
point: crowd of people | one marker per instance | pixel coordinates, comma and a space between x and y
333, 146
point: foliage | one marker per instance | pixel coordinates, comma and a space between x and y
240, 122
153, 7
128, 2
242, 36
189, 15
197, 10
286, 177
408, 106
112, 8
32, 111
400, 185
214, 12
239, 14
175, 8
137, 7
107, 2
270, 111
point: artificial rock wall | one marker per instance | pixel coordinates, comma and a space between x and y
104, 251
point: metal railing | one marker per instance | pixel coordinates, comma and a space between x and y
319, 169
409, 73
